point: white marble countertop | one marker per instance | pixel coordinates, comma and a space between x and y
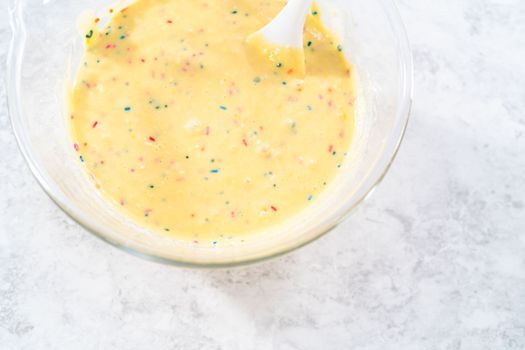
434, 260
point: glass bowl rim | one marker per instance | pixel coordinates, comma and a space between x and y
392, 145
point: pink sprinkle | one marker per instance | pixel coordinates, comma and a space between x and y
330, 148
76, 147
207, 130
232, 214
122, 202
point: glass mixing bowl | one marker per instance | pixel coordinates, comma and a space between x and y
45, 49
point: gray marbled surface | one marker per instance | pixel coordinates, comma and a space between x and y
434, 260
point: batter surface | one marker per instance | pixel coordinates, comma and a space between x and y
190, 134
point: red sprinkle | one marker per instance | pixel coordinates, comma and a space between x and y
169, 21
330, 148
94, 125
152, 139
207, 130
245, 142
232, 214
273, 208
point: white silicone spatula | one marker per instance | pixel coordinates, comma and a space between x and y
286, 29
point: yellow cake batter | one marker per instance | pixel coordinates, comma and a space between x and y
191, 135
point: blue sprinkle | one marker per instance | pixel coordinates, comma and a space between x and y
127, 109
82, 159
214, 171
310, 197
223, 108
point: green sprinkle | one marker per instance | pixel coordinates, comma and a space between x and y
315, 13
151, 186
309, 44
167, 229
122, 37
223, 108
257, 80
309, 108
279, 65
187, 157
310, 197
81, 159
339, 48
284, 82
89, 34
234, 12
